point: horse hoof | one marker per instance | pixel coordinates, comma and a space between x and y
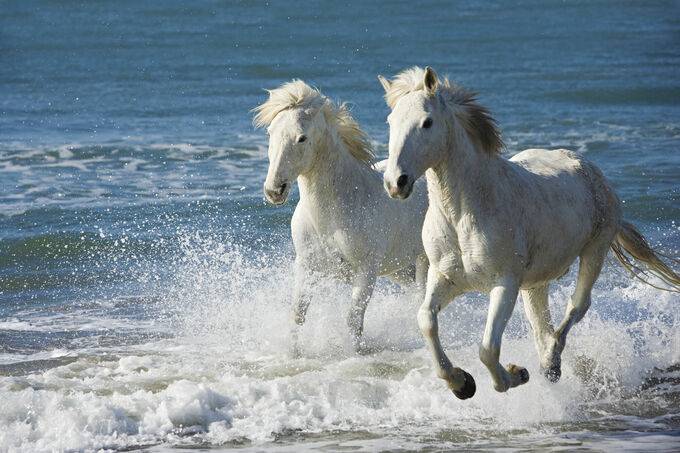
521, 374
469, 388
553, 374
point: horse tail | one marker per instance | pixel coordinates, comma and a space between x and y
645, 260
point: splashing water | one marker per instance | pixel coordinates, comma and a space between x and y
145, 285
204, 359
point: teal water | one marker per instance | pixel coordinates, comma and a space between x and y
144, 281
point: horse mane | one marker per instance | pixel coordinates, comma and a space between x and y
476, 119
298, 94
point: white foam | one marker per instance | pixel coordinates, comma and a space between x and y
15, 323
227, 375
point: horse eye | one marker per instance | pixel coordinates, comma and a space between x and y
302, 138
427, 123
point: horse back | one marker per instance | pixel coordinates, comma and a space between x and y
569, 203
566, 183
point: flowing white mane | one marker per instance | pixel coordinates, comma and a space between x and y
476, 119
298, 94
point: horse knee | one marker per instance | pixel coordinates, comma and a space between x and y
299, 308
579, 314
427, 322
355, 319
489, 355
578, 306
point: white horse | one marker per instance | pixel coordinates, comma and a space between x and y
501, 226
345, 224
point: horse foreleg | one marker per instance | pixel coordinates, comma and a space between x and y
362, 289
501, 303
536, 308
422, 266
438, 294
301, 293
301, 298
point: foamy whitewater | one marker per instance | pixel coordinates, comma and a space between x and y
145, 284
208, 364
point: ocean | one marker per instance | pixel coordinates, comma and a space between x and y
145, 283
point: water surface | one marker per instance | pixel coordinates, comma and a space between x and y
145, 283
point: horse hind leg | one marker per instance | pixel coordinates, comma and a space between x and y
413, 273
537, 310
422, 266
362, 289
591, 261
404, 277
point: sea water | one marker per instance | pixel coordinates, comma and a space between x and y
145, 283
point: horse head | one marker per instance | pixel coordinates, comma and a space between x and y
431, 119
303, 124
418, 128
289, 115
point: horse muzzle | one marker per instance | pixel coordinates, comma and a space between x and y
278, 194
401, 188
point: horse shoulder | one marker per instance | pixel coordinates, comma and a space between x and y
303, 231
440, 241
400, 229
356, 227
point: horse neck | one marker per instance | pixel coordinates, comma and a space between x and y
335, 173
464, 180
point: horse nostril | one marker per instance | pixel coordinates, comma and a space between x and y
282, 188
401, 181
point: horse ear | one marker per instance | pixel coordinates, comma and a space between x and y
431, 81
385, 83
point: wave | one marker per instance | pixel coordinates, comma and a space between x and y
202, 358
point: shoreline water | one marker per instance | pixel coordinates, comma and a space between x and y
145, 283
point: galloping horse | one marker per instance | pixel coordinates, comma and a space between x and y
501, 226
345, 225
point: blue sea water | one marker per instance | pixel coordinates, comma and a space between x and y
145, 282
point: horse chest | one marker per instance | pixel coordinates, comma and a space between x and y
441, 246
340, 244
467, 256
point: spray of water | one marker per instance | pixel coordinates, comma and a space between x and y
219, 371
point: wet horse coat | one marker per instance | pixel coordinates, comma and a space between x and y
345, 225
500, 226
